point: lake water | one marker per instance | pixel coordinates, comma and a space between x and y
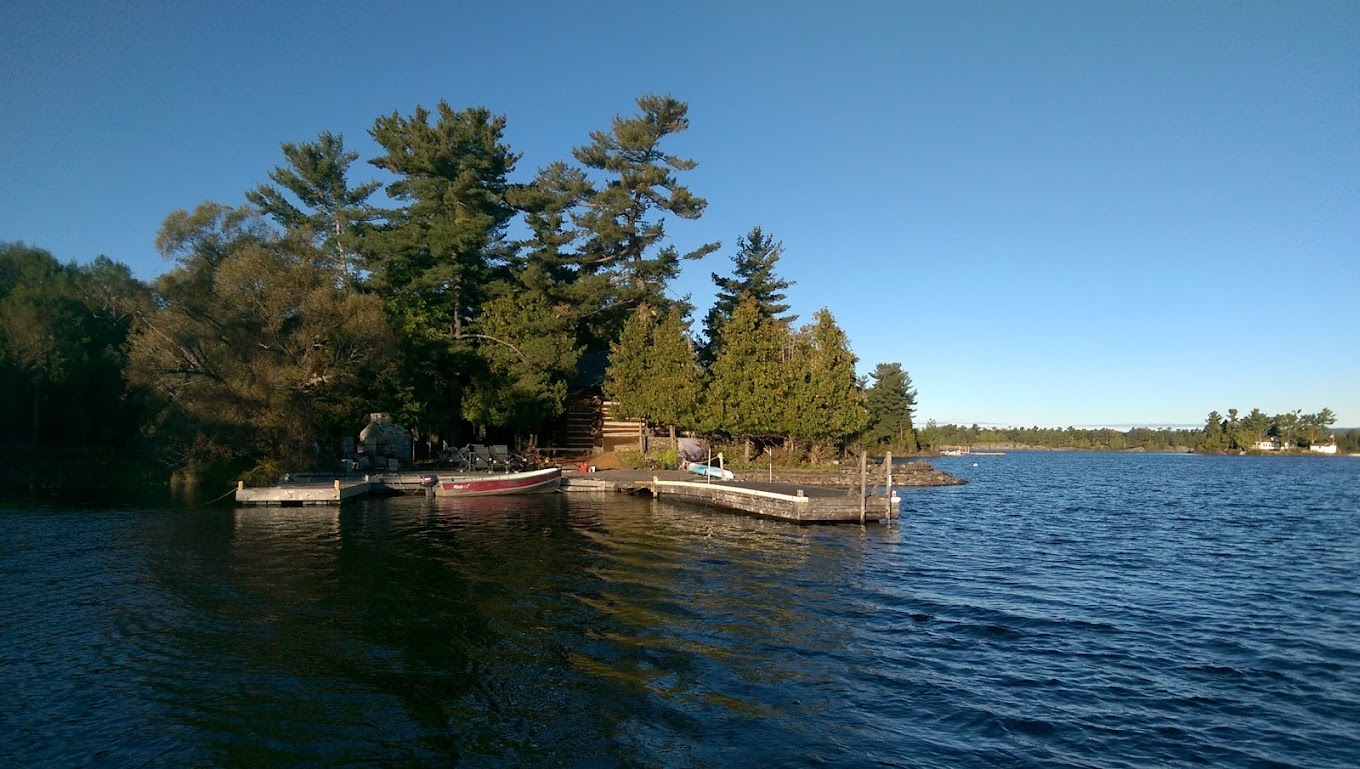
1113, 610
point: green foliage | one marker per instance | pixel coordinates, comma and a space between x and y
623, 220
750, 392
316, 175
527, 357
752, 276
1288, 431
825, 404
434, 259
667, 458
653, 372
935, 436
63, 330
437, 251
252, 350
891, 403
630, 459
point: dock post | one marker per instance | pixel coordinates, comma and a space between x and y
240, 485
863, 484
887, 483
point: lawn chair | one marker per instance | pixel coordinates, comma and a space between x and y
500, 455
460, 458
481, 457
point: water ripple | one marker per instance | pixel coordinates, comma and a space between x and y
1060, 610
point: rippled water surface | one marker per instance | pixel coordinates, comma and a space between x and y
1060, 610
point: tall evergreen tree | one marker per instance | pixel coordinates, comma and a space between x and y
439, 251
654, 373
753, 276
891, 402
625, 219
1252, 429
626, 379
826, 405
434, 259
1215, 436
316, 174
750, 389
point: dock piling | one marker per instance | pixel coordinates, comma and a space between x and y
887, 483
863, 484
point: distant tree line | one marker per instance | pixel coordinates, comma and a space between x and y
284, 319
1252, 432
934, 437
1220, 434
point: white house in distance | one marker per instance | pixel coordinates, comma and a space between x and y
1272, 443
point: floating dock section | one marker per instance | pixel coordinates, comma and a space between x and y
303, 493
789, 502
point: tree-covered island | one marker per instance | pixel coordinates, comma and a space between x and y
463, 300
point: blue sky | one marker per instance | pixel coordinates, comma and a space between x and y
1050, 213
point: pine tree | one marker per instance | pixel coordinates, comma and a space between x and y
1214, 437
316, 175
752, 276
749, 393
624, 220
653, 372
440, 249
434, 260
891, 403
826, 404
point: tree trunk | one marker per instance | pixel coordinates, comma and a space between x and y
457, 308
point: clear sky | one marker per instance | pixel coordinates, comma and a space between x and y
1075, 213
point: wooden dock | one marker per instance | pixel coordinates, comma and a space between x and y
800, 503
789, 502
332, 493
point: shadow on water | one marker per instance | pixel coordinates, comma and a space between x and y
507, 631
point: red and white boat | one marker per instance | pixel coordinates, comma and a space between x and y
489, 485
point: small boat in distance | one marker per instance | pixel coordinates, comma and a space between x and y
498, 484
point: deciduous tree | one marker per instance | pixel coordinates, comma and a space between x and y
253, 350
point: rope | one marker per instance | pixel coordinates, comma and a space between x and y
219, 499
